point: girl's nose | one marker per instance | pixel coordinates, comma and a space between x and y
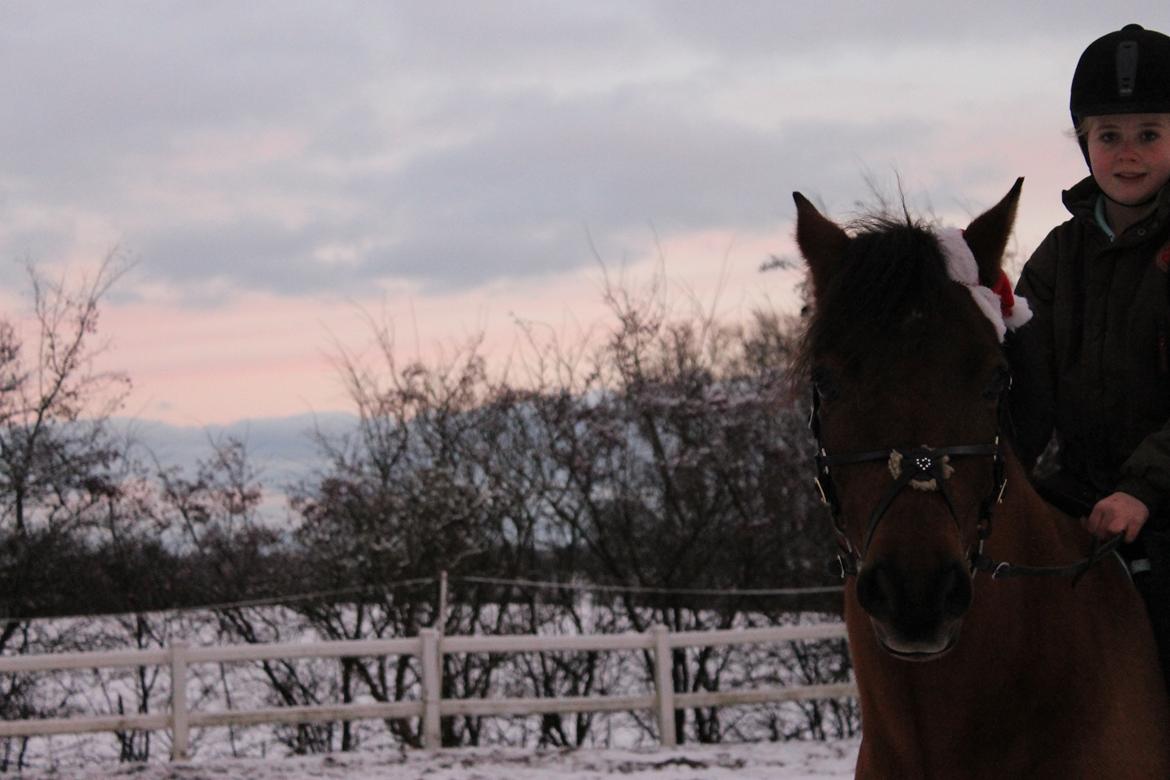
1128, 150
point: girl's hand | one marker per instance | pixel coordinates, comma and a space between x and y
1118, 513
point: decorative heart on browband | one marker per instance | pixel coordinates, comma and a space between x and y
922, 462
1005, 310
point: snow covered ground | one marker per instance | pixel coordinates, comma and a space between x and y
756, 761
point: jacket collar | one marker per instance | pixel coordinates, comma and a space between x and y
1082, 198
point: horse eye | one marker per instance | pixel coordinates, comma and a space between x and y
1000, 382
823, 384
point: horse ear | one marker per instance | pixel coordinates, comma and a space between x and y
821, 242
987, 235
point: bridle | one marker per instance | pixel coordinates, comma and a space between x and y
921, 467
930, 467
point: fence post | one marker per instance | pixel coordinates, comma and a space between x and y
432, 684
664, 686
180, 741
441, 610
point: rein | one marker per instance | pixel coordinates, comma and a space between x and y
926, 468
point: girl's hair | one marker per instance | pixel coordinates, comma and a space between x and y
1080, 131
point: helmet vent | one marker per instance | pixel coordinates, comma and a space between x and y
1127, 61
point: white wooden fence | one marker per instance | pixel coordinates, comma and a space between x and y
429, 647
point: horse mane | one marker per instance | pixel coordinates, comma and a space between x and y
892, 286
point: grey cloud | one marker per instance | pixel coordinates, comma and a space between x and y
100, 85
550, 170
250, 254
823, 29
518, 199
512, 127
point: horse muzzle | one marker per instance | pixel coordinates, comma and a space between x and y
916, 615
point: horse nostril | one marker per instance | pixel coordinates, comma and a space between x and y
945, 595
876, 591
956, 591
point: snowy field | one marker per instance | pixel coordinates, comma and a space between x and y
615, 744
757, 761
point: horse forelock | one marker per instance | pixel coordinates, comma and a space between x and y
891, 294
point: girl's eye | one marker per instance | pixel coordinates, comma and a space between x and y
1149, 136
1107, 137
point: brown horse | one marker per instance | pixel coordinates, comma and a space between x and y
961, 673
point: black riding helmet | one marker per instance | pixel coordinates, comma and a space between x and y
1124, 72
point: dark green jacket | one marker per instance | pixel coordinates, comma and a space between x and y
1093, 364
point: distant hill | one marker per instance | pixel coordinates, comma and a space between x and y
281, 449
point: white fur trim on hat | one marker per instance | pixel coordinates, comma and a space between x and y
1021, 313
961, 267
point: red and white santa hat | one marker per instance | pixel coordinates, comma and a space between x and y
1005, 310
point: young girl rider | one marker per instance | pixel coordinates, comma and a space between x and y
1093, 365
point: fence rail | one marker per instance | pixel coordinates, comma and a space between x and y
429, 647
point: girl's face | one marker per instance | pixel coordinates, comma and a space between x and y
1129, 155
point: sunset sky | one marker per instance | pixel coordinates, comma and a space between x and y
280, 172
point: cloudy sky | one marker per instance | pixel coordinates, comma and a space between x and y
279, 172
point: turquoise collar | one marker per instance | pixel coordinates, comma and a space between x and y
1099, 213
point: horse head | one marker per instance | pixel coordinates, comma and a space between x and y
908, 376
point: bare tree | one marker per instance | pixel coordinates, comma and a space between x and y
55, 406
678, 460
58, 456
671, 457
57, 453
